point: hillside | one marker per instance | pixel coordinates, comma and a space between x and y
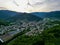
52, 14
25, 17
4, 14
13, 16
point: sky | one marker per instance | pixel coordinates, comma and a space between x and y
30, 5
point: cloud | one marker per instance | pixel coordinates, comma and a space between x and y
52, 5
34, 5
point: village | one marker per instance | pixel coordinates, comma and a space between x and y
7, 32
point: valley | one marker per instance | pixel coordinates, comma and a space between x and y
29, 29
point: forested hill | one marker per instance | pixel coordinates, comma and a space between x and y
52, 14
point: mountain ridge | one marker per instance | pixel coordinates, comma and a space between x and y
11, 15
52, 14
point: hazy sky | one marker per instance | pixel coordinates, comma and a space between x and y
30, 5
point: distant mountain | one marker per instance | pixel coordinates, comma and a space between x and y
40, 14
35, 16
14, 16
4, 14
53, 14
25, 17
